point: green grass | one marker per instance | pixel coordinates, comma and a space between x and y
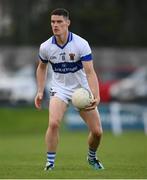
22, 150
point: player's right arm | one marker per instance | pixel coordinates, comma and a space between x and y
41, 75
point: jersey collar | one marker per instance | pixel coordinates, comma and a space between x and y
54, 41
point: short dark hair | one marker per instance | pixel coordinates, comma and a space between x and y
60, 12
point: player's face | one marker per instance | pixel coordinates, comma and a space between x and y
59, 24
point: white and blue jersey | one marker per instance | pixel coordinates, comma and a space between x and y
66, 61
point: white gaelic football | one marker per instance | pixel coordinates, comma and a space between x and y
81, 98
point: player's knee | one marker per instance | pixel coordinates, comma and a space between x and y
97, 132
54, 125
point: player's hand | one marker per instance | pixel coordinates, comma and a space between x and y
92, 105
38, 100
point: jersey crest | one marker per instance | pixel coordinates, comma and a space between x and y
72, 56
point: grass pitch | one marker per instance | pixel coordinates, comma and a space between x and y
22, 150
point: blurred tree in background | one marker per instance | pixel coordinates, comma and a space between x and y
101, 22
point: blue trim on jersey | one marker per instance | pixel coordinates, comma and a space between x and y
86, 58
67, 67
43, 60
70, 37
53, 40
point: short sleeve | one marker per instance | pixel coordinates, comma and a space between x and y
43, 54
86, 54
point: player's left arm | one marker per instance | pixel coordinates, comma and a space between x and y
93, 83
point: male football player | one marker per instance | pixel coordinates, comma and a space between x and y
71, 60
